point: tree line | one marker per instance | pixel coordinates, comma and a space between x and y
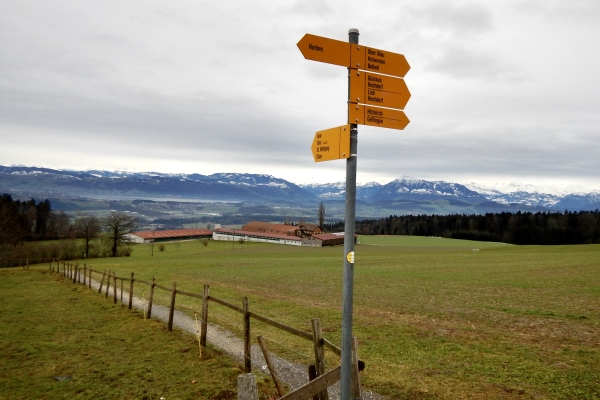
23, 224
524, 228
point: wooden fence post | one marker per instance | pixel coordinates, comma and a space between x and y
149, 313
75, 273
122, 290
312, 375
356, 389
247, 353
90, 280
319, 353
131, 292
172, 308
107, 285
84, 274
267, 356
114, 288
204, 325
247, 387
102, 282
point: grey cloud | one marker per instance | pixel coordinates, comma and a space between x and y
315, 8
460, 62
456, 18
580, 11
490, 152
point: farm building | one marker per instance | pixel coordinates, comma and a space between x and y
295, 235
168, 236
324, 239
251, 236
300, 230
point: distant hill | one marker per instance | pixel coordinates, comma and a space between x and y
475, 198
401, 196
221, 187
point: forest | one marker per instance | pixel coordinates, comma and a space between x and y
27, 220
25, 223
524, 228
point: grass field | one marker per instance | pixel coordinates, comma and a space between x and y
52, 330
435, 318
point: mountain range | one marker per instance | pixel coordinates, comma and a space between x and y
405, 193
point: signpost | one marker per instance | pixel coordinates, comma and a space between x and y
373, 80
331, 144
378, 90
376, 116
346, 54
380, 61
330, 51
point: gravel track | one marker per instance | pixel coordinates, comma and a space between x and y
293, 375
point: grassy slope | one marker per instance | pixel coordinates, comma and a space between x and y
434, 318
52, 328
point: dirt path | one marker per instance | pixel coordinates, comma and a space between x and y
293, 375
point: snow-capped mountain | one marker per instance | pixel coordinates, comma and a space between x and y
552, 197
514, 187
221, 186
337, 190
449, 197
418, 189
405, 188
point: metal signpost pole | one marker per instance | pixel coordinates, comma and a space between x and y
369, 71
348, 279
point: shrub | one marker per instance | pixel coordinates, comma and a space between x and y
124, 251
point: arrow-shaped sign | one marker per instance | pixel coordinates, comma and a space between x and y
331, 144
375, 116
331, 51
380, 61
378, 90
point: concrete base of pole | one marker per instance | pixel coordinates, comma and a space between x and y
247, 389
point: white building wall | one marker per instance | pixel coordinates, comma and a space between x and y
132, 238
227, 237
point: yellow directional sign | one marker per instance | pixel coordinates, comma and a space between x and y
378, 90
330, 51
380, 61
375, 116
331, 144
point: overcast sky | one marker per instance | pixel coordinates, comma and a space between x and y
504, 91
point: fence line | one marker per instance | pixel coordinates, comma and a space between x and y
320, 380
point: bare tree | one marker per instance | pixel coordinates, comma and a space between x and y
87, 227
64, 224
117, 226
321, 214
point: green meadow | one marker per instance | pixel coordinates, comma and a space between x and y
62, 341
435, 318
